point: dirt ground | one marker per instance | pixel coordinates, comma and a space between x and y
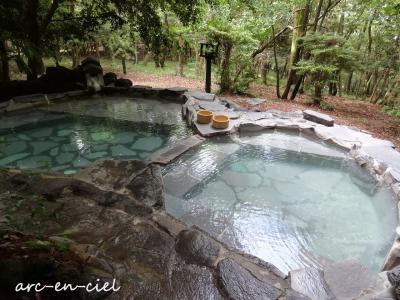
360, 114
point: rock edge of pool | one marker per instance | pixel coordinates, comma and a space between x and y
108, 221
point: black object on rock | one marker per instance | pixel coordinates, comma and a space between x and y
88, 75
109, 78
123, 82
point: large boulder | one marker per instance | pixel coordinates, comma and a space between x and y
57, 79
196, 248
240, 284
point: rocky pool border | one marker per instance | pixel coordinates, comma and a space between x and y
379, 157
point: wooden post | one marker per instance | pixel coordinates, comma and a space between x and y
124, 65
208, 74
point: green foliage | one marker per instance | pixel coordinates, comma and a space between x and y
329, 54
393, 111
38, 245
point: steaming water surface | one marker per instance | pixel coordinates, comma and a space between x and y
279, 197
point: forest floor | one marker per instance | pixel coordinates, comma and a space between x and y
360, 114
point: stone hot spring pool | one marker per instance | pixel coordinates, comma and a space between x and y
288, 200
70, 136
284, 198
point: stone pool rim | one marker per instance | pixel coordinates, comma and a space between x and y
360, 145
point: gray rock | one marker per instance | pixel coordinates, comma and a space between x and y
193, 282
250, 127
348, 279
202, 96
240, 284
147, 188
319, 118
293, 295
196, 248
394, 279
254, 101
111, 174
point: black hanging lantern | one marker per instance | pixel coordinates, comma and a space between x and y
209, 52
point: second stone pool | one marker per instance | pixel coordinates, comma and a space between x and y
69, 136
286, 199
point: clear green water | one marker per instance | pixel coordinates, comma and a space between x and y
293, 209
70, 141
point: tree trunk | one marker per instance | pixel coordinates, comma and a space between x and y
264, 73
278, 92
35, 62
317, 14
384, 84
317, 94
181, 56
392, 92
300, 25
75, 55
146, 58
199, 63
5, 67
348, 85
225, 79
97, 49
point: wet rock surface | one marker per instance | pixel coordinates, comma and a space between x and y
394, 279
128, 238
198, 249
241, 284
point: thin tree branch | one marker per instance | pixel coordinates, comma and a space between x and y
268, 42
50, 14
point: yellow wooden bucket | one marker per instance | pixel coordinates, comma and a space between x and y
204, 116
220, 121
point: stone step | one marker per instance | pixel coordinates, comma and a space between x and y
319, 118
166, 156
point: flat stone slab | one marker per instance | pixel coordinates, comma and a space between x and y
212, 106
310, 282
254, 101
177, 89
29, 98
166, 156
207, 130
319, 118
202, 96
